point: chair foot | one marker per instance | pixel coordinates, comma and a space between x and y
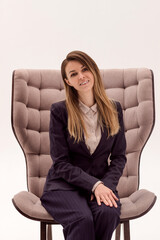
43, 231
118, 232
49, 232
126, 230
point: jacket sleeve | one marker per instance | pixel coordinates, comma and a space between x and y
117, 157
63, 168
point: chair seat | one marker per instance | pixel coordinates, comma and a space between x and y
134, 206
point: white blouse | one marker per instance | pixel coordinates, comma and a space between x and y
90, 117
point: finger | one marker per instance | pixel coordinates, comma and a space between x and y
92, 196
114, 196
105, 201
111, 199
114, 203
108, 197
110, 202
98, 200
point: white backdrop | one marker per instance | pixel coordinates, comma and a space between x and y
39, 34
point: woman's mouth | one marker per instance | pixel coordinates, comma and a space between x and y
84, 83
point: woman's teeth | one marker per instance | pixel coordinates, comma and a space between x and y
84, 83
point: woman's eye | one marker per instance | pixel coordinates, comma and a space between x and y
85, 69
73, 74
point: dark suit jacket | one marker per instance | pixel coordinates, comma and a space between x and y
73, 165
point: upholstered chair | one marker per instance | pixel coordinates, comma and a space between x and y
33, 93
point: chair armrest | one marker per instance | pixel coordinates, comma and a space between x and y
137, 204
30, 206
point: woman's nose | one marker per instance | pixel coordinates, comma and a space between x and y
81, 76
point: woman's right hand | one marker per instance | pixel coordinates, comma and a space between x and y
105, 195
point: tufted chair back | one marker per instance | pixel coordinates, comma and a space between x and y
35, 90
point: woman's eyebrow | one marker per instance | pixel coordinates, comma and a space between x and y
72, 71
75, 70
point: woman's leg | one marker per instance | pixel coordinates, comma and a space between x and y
71, 210
106, 219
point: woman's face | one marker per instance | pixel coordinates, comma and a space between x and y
79, 77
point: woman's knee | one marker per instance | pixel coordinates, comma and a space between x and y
85, 216
106, 212
83, 221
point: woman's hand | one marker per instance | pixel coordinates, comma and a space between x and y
105, 195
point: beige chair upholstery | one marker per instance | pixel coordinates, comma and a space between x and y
33, 93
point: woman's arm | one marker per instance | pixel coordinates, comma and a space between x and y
60, 153
118, 157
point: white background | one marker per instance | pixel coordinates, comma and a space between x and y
39, 34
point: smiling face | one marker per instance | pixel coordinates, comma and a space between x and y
79, 77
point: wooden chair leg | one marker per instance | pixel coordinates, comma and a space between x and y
49, 232
43, 231
118, 232
126, 231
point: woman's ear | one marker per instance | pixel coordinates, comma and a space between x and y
67, 81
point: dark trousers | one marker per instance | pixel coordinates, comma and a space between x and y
81, 218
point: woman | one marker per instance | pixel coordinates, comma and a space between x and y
85, 129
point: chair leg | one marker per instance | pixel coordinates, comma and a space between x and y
43, 231
118, 232
49, 232
126, 231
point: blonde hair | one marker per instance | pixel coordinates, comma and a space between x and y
108, 115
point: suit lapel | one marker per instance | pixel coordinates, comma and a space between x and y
102, 139
82, 143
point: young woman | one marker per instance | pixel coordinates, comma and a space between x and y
85, 130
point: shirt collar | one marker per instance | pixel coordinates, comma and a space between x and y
85, 109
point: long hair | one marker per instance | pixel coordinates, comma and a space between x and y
108, 116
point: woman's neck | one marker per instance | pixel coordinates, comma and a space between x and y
87, 99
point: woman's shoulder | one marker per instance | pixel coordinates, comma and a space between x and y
59, 107
59, 110
117, 105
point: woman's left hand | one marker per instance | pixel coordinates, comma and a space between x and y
92, 196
